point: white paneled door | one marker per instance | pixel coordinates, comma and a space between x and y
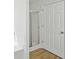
52, 28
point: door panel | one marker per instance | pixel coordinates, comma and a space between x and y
59, 28
52, 28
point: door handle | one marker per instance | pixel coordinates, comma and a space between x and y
62, 32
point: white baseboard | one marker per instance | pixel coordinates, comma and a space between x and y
35, 47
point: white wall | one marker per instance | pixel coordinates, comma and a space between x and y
21, 26
19, 54
19, 19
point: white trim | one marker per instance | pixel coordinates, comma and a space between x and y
18, 48
35, 47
